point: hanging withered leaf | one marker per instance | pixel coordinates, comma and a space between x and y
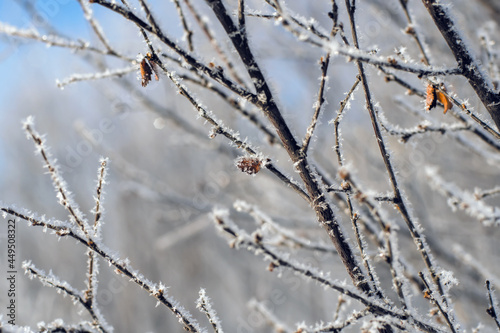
433, 95
444, 99
145, 72
430, 99
148, 67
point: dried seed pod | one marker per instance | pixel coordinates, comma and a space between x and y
250, 165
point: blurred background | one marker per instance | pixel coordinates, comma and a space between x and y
166, 174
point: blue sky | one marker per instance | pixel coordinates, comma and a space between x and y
20, 62
64, 15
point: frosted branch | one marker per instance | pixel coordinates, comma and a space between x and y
64, 196
240, 239
271, 319
494, 309
205, 306
467, 62
464, 200
51, 280
96, 76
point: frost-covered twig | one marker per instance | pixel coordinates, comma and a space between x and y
267, 104
240, 239
464, 200
218, 76
123, 267
96, 76
215, 43
492, 54
286, 235
399, 201
188, 33
467, 62
494, 309
236, 105
424, 127
411, 30
273, 321
338, 327
92, 262
205, 306
87, 13
101, 181
480, 270
340, 113
307, 33
64, 196
481, 194
324, 62
50, 279
429, 293
55, 40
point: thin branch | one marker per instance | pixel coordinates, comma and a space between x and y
205, 306
187, 32
444, 313
481, 194
411, 31
424, 127
233, 137
268, 105
64, 196
236, 105
122, 268
352, 319
273, 321
215, 44
399, 201
461, 105
216, 75
306, 34
240, 238
324, 62
493, 310
87, 13
465, 59
55, 40
98, 321
96, 76
337, 120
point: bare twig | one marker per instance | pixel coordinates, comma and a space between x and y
63, 194
205, 306
429, 294
187, 32
493, 310
465, 59
239, 238
98, 320
324, 62
268, 105
399, 201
